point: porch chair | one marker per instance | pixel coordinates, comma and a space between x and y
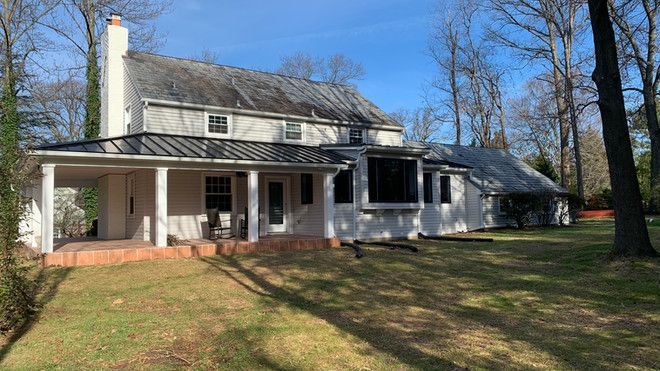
217, 226
244, 224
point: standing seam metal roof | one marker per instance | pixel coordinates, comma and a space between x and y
153, 144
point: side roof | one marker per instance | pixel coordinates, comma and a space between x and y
181, 80
495, 170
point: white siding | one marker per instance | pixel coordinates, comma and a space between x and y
386, 224
184, 204
172, 120
132, 99
454, 214
430, 221
344, 221
307, 219
473, 206
492, 216
139, 225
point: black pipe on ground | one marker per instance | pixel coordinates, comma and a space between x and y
458, 239
356, 247
392, 245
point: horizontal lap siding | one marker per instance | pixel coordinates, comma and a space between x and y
184, 204
430, 221
492, 216
182, 121
139, 225
453, 214
132, 99
473, 202
307, 219
344, 221
385, 224
170, 120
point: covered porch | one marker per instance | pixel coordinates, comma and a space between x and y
144, 199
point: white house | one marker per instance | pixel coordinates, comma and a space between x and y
292, 156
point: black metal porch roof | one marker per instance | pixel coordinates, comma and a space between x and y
167, 145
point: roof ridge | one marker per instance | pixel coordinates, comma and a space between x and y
244, 69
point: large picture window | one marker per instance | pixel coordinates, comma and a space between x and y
445, 189
344, 187
392, 180
218, 193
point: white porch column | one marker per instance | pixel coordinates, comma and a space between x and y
329, 205
47, 200
253, 206
161, 207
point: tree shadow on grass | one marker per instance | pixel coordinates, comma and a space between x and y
47, 282
383, 338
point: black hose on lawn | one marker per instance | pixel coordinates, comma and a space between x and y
392, 245
356, 247
459, 239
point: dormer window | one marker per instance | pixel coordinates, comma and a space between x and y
293, 131
218, 125
355, 136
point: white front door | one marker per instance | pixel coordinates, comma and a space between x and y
277, 205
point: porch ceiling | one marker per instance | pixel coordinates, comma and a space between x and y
84, 176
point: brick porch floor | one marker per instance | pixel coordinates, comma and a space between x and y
88, 251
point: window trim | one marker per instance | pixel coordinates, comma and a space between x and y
232, 177
303, 131
303, 200
448, 177
230, 125
364, 135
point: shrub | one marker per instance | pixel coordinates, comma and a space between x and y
521, 206
600, 201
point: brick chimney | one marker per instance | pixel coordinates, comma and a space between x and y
114, 45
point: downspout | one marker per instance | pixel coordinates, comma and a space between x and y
355, 171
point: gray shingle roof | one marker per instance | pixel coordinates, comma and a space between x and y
181, 80
495, 170
152, 144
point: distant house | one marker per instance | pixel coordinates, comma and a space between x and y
278, 155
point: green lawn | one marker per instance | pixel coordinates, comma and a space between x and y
532, 299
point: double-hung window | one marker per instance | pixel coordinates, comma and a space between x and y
392, 180
293, 131
428, 188
355, 136
344, 187
217, 125
218, 193
306, 189
445, 189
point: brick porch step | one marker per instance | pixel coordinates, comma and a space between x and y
118, 256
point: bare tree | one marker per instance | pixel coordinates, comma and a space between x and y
596, 172
337, 69
636, 22
206, 56
421, 124
59, 108
630, 233
544, 24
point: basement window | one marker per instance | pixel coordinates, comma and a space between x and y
392, 180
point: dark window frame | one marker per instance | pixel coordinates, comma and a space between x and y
445, 189
306, 189
392, 180
428, 188
226, 184
355, 139
343, 184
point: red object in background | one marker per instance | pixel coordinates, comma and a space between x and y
595, 214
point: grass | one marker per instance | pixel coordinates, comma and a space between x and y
532, 299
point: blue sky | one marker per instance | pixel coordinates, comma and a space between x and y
388, 37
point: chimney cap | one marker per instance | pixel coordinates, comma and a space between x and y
114, 19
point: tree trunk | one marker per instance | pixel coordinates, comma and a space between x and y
564, 125
631, 235
651, 113
454, 94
